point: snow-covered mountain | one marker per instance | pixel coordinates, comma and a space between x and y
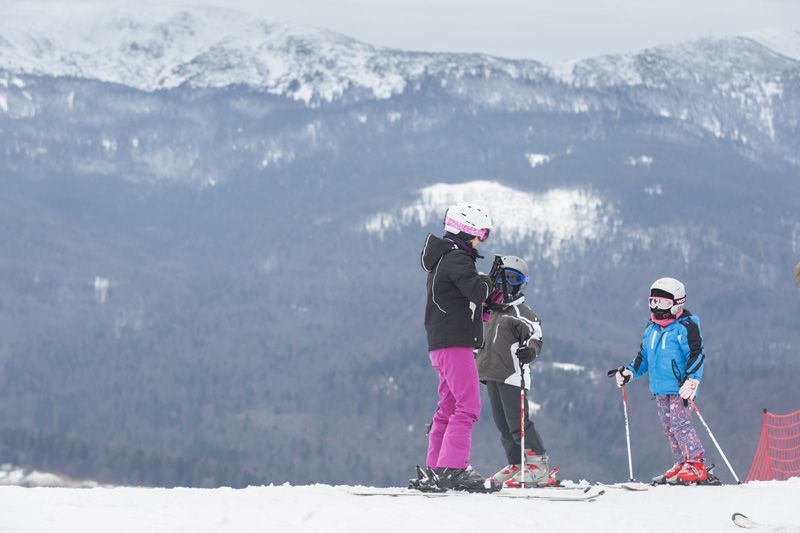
210, 47
737, 88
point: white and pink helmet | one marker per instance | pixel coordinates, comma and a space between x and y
667, 297
468, 218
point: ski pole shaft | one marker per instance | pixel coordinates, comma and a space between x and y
612, 374
714, 440
522, 425
627, 433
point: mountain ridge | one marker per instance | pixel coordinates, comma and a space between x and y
212, 47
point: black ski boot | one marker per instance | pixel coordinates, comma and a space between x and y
426, 480
465, 479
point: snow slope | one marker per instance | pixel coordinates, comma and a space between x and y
322, 508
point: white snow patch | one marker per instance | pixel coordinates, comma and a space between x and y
568, 367
109, 145
534, 407
101, 286
71, 99
549, 222
3, 103
362, 118
15, 476
276, 156
653, 190
536, 160
313, 129
643, 160
713, 124
135, 142
664, 112
393, 116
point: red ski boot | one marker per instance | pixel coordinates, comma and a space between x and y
693, 471
670, 476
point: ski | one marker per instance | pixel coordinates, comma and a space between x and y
743, 522
395, 492
542, 493
555, 494
628, 485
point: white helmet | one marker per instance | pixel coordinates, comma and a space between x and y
468, 218
669, 288
515, 269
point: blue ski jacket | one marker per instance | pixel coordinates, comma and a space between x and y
681, 342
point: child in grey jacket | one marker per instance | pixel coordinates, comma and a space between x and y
512, 340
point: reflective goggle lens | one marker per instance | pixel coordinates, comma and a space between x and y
514, 277
662, 304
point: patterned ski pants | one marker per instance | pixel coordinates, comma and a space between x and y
677, 421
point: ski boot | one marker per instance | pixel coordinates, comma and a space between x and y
670, 477
464, 479
505, 474
697, 473
536, 473
426, 480
693, 472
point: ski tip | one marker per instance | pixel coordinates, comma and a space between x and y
742, 521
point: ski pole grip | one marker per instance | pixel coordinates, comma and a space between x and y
611, 372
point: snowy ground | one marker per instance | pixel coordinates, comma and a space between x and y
325, 508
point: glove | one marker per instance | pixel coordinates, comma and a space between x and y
689, 388
525, 355
623, 376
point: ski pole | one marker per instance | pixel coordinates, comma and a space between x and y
612, 373
522, 425
696, 410
627, 433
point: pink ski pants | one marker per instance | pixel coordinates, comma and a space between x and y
450, 437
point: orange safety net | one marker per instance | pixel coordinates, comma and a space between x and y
778, 453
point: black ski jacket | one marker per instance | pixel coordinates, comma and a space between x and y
456, 292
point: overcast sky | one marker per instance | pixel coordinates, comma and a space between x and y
547, 30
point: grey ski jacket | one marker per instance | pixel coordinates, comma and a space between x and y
456, 292
507, 330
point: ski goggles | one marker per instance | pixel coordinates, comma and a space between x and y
514, 277
481, 234
661, 304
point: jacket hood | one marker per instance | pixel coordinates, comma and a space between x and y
435, 247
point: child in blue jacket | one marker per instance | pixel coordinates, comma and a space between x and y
672, 354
